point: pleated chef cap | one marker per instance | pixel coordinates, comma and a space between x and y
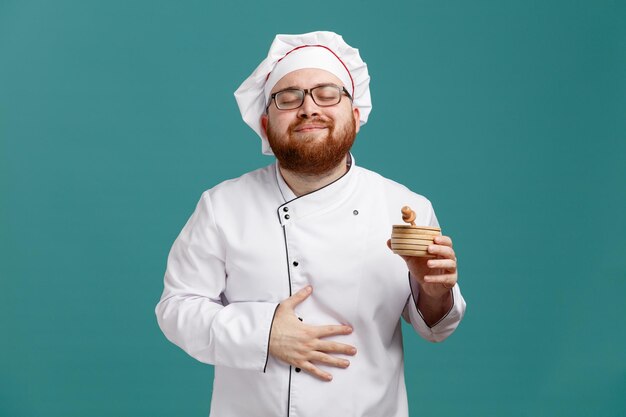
322, 50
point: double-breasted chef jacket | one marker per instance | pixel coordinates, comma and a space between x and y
251, 243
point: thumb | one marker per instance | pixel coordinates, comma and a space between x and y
298, 297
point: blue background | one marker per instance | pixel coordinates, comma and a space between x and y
509, 116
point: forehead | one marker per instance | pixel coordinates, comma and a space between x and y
306, 78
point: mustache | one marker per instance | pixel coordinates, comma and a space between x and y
317, 121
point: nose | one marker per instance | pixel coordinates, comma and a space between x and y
308, 108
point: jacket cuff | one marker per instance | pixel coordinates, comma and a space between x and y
241, 332
446, 325
269, 338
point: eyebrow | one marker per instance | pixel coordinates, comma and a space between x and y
295, 87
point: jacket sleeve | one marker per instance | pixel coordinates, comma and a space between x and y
192, 312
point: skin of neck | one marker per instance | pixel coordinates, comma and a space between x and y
302, 184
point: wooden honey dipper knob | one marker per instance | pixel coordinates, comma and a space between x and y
408, 215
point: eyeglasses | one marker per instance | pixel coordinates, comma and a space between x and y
323, 95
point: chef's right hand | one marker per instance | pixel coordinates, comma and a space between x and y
301, 345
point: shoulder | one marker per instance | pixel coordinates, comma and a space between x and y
254, 192
258, 188
256, 181
395, 195
389, 187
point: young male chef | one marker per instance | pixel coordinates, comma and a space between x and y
283, 278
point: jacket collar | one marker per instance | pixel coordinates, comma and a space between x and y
321, 200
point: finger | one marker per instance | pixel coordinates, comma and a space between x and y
331, 330
447, 279
443, 240
298, 297
334, 347
329, 360
444, 251
389, 243
441, 263
315, 371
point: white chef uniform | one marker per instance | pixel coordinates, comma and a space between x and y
250, 244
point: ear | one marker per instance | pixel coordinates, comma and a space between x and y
357, 119
264, 122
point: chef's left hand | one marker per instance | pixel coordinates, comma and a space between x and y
435, 276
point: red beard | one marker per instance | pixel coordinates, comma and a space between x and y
311, 155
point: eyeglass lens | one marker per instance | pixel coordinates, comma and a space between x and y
325, 95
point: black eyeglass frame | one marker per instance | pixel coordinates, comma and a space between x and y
309, 91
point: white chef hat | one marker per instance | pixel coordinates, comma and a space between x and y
323, 50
